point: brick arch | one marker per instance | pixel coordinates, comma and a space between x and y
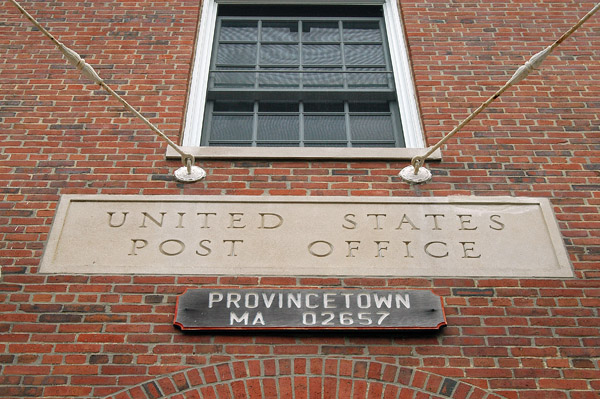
304, 377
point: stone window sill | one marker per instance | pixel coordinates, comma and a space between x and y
325, 153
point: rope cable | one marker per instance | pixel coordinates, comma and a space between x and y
534, 62
88, 71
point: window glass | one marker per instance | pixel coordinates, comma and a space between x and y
280, 78
305, 78
321, 54
232, 30
320, 32
233, 77
273, 31
363, 31
371, 127
233, 106
319, 128
364, 54
279, 54
236, 54
233, 128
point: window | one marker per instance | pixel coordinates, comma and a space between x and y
316, 76
280, 77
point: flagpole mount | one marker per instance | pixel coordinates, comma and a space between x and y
189, 173
416, 174
422, 175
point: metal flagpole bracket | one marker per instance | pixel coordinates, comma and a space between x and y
189, 173
416, 173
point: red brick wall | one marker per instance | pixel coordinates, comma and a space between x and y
95, 336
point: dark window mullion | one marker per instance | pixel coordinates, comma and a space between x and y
344, 69
300, 60
387, 56
214, 52
301, 123
301, 83
257, 66
255, 124
208, 122
347, 119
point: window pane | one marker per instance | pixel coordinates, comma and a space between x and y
278, 106
323, 77
364, 54
279, 54
278, 127
371, 127
321, 54
320, 32
233, 106
239, 31
324, 107
279, 79
231, 128
280, 31
369, 79
274, 73
366, 31
379, 106
236, 54
325, 127
233, 79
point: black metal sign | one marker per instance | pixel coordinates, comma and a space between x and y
301, 309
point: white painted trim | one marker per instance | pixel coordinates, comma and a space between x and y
407, 99
305, 153
194, 117
403, 78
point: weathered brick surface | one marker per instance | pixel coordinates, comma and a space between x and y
312, 384
111, 336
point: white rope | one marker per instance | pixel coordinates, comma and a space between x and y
534, 62
88, 71
188, 160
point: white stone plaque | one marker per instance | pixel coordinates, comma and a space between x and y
300, 236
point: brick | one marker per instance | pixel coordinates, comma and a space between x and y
61, 135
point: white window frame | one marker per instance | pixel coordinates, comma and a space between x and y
407, 99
